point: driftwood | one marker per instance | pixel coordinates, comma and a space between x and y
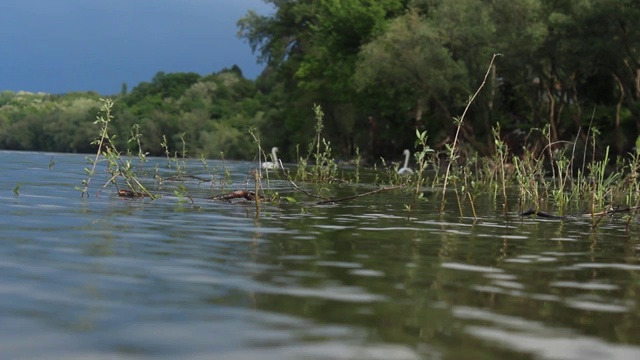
609, 211
131, 194
251, 196
240, 194
184, 177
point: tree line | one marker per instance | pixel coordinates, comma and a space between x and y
212, 114
380, 70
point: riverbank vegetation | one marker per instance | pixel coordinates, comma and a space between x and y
501, 177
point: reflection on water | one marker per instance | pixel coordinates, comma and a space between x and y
106, 277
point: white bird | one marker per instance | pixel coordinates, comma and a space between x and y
405, 170
274, 163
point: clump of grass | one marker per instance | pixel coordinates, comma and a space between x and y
530, 179
632, 193
175, 161
215, 179
391, 173
595, 186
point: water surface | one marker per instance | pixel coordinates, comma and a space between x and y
107, 277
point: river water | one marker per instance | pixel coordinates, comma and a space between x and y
114, 278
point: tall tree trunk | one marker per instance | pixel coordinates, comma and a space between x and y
638, 83
553, 134
418, 116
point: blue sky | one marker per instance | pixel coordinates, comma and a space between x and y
58, 46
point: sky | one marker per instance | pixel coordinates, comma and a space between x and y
58, 46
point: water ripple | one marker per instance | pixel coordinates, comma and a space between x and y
596, 306
557, 347
466, 267
583, 286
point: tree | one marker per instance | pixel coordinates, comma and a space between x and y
311, 48
409, 56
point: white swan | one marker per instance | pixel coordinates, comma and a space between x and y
405, 170
274, 163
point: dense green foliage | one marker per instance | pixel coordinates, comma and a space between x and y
383, 68
380, 69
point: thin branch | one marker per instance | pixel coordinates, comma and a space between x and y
331, 201
460, 121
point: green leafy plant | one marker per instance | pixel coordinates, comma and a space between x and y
117, 166
324, 169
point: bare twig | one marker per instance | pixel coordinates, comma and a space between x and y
460, 121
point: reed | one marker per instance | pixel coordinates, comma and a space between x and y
530, 180
358, 162
500, 160
256, 173
562, 165
632, 195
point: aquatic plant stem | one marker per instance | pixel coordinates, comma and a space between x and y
473, 207
455, 189
459, 124
105, 119
256, 180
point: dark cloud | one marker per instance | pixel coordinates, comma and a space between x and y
61, 46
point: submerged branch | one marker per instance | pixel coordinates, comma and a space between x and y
187, 176
330, 201
240, 194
